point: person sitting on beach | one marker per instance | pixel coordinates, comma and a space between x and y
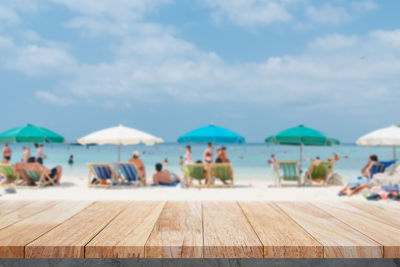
6, 153
314, 164
219, 156
356, 185
164, 176
139, 165
208, 154
54, 174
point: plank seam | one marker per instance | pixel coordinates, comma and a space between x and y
252, 227
112, 219
305, 230
383, 247
53, 228
202, 225
147, 240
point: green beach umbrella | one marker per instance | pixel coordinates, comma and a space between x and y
30, 134
302, 136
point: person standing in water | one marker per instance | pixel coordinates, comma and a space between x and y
208, 154
71, 160
188, 155
40, 154
6, 153
26, 154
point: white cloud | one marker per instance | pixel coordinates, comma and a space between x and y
53, 99
334, 42
301, 14
327, 13
250, 12
8, 15
39, 60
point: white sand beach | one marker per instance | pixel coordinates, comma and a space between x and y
75, 188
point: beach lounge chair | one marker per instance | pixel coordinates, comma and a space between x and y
197, 171
38, 175
102, 175
320, 172
223, 172
289, 171
9, 173
379, 167
129, 173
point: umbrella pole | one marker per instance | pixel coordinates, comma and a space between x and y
301, 161
119, 153
394, 153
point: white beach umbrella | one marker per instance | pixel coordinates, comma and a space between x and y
119, 135
389, 136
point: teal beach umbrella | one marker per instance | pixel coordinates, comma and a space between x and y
30, 134
212, 134
301, 136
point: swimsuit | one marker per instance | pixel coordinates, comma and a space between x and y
7, 158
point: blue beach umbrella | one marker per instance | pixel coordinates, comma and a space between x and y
212, 134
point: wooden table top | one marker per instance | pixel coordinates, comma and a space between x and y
190, 229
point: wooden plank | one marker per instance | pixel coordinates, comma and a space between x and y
379, 230
339, 239
14, 238
24, 212
383, 213
279, 234
126, 235
227, 232
7, 206
69, 239
178, 232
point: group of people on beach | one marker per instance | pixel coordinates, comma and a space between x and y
164, 176
29, 162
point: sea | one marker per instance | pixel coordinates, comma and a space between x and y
250, 160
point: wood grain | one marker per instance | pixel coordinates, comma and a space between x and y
376, 228
126, 235
280, 235
69, 239
178, 232
383, 213
24, 212
339, 239
7, 206
227, 232
15, 237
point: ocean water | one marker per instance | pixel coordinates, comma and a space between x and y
250, 161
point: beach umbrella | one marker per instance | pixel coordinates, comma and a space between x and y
119, 135
389, 136
30, 134
301, 136
211, 134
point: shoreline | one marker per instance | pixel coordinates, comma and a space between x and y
75, 188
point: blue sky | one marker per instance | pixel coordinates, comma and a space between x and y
168, 66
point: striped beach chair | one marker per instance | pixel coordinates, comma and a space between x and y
9, 173
223, 172
196, 171
289, 171
320, 172
129, 173
101, 175
38, 175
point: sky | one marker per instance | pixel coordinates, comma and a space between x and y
169, 66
